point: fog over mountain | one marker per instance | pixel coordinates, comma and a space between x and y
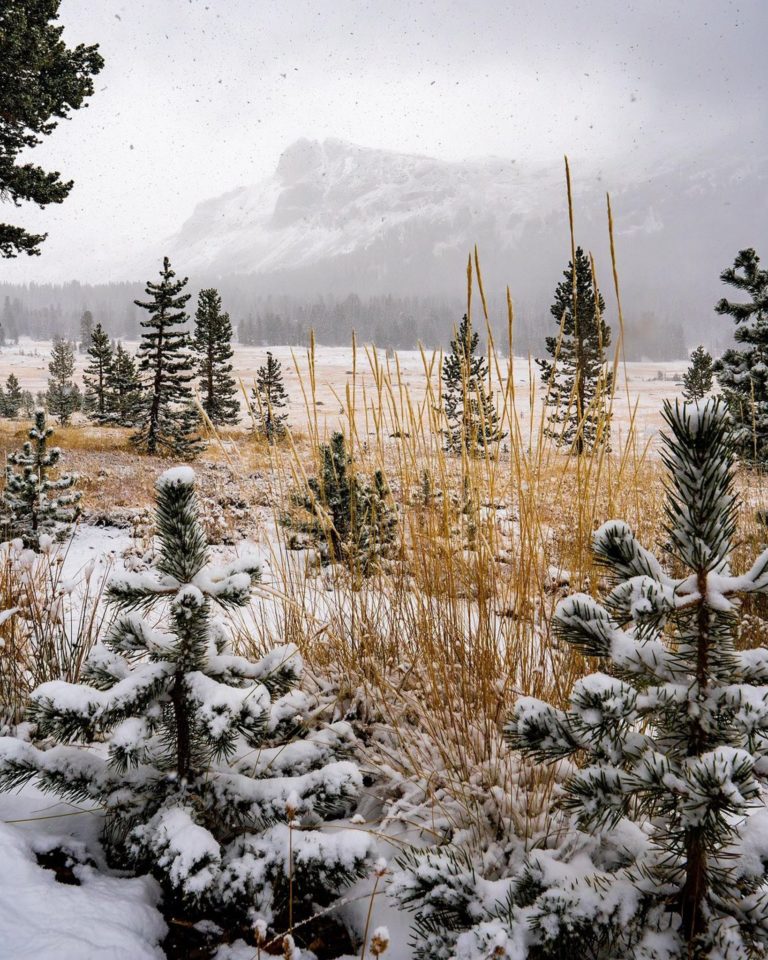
336, 217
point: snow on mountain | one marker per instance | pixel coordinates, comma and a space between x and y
339, 217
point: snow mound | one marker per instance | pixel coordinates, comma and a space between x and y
105, 918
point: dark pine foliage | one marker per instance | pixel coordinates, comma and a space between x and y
472, 423
575, 379
269, 399
35, 503
63, 396
213, 348
14, 397
351, 518
697, 379
168, 421
742, 371
124, 390
96, 376
41, 82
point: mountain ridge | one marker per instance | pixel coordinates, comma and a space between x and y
335, 216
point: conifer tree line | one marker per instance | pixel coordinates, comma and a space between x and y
156, 393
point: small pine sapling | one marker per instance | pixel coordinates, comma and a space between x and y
63, 397
14, 397
210, 777
697, 379
673, 735
472, 423
351, 519
36, 505
269, 399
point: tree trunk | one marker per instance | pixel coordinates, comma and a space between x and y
694, 888
181, 716
154, 413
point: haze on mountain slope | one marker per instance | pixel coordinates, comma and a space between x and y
336, 217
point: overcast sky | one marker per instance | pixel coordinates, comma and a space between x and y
199, 96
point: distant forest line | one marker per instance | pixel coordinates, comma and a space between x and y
42, 311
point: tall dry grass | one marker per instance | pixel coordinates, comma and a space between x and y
438, 643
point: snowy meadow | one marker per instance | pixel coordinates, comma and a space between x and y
405, 666
447, 643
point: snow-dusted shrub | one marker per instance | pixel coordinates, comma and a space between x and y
197, 756
350, 518
34, 504
670, 851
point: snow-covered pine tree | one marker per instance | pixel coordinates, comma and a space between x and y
742, 371
269, 398
211, 779
697, 379
577, 383
14, 396
63, 394
673, 734
168, 421
351, 519
97, 374
124, 390
213, 346
34, 504
472, 423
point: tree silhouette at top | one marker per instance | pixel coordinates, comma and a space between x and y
41, 82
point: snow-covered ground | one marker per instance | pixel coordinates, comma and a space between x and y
641, 386
104, 915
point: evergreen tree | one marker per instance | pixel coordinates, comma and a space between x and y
168, 421
27, 404
86, 330
63, 394
211, 778
697, 379
124, 390
269, 399
472, 421
14, 396
41, 82
351, 519
8, 321
742, 371
213, 345
673, 734
576, 380
96, 376
34, 503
